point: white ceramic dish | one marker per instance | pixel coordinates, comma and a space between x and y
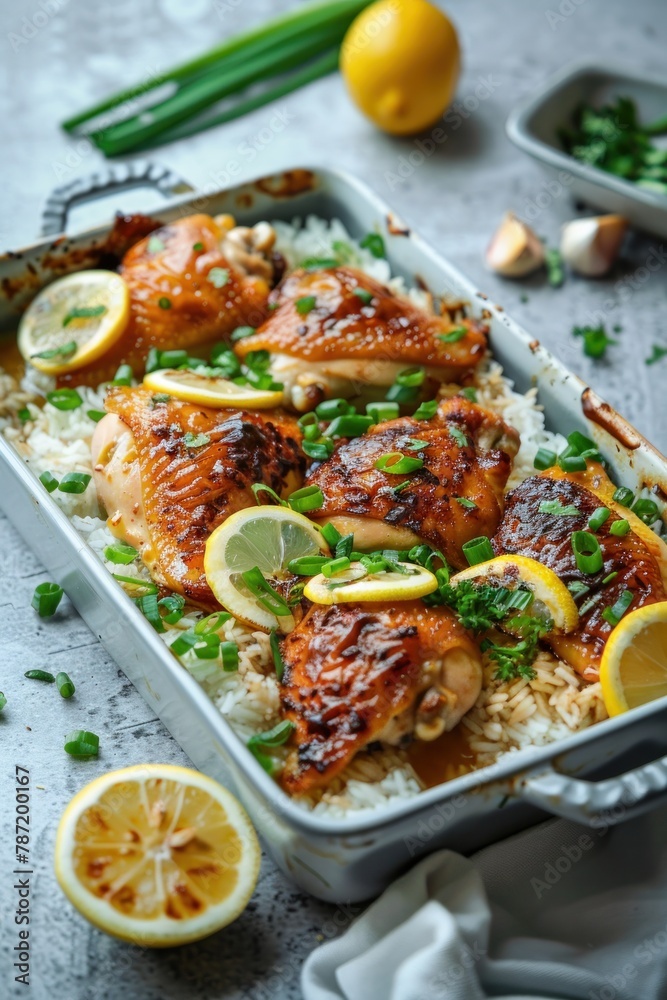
354, 858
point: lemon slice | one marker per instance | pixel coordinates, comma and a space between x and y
74, 320
355, 584
264, 537
550, 593
633, 669
157, 855
209, 390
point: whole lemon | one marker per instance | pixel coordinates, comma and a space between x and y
400, 60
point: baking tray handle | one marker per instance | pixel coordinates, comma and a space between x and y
119, 177
596, 803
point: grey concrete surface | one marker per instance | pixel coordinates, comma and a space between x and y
57, 56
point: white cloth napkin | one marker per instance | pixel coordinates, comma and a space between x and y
559, 912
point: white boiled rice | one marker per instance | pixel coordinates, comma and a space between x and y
508, 717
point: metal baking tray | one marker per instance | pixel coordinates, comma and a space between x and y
598, 777
533, 127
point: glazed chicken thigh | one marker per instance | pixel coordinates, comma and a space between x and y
357, 673
335, 330
467, 456
190, 282
169, 472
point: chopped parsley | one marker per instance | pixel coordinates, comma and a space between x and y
595, 340
191, 440
375, 244
164, 302
459, 437
458, 333
305, 304
657, 353
155, 245
554, 265
558, 509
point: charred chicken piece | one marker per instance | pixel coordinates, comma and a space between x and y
467, 456
169, 472
334, 331
358, 673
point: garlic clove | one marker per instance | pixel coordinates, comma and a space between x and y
590, 246
515, 250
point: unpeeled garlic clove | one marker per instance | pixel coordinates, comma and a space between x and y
515, 250
590, 246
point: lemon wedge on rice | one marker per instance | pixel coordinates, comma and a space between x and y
74, 321
357, 584
265, 538
157, 855
633, 670
551, 596
210, 390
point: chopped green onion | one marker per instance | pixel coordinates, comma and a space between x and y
619, 528
48, 481
229, 653
164, 302
24, 414
123, 376
572, 463
425, 556
544, 459
469, 392
148, 606
344, 546
599, 516
173, 604
46, 598
558, 509
614, 614
173, 359
307, 565
459, 436
375, 244
264, 592
207, 646
582, 445
411, 377
395, 463
554, 265
305, 304
331, 535
198, 246
646, 510
258, 488
624, 496
83, 312
365, 296
39, 675
278, 661
577, 588
120, 553
74, 482
383, 411
185, 642
65, 686
218, 276
191, 440
64, 399
3, 701
587, 552
477, 550
305, 499
458, 333
307, 420
160, 397
335, 566
147, 586
211, 623
81, 743
319, 450
318, 263
468, 504
155, 244
329, 409
352, 425
416, 444
275, 737
398, 393
66, 351
427, 410
241, 332
657, 353
96, 415
610, 576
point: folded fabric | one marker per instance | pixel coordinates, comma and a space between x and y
557, 913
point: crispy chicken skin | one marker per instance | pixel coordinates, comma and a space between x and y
360, 498
168, 496
168, 266
353, 671
346, 339
547, 538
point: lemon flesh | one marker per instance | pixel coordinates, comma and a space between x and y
268, 538
400, 60
74, 321
208, 390
549, 591
157, 855
633, 670
355, 584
